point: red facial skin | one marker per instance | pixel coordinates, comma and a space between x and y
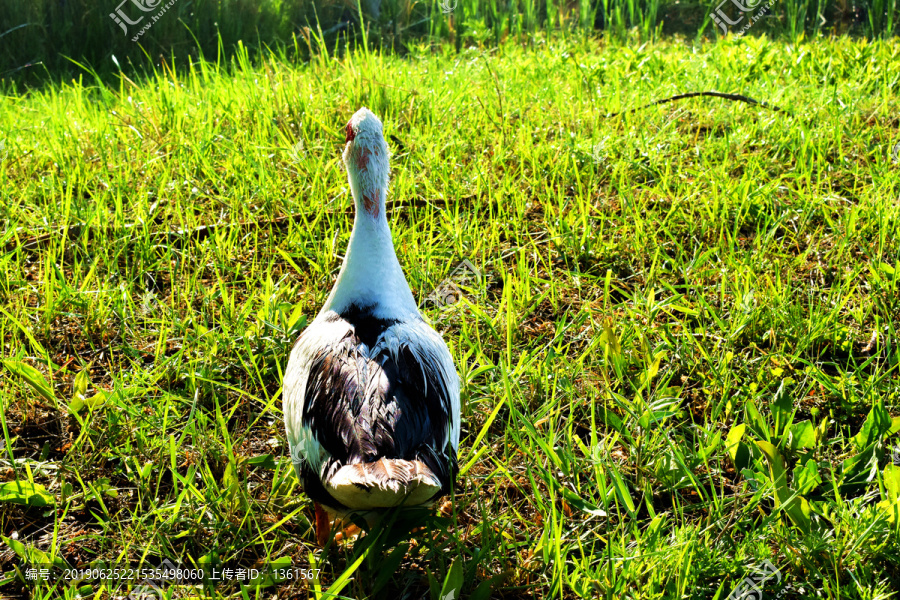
349, 132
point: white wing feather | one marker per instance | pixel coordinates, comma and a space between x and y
418, 336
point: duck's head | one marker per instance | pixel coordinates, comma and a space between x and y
366, 158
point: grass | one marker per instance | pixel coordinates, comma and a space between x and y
681, 360
43, 40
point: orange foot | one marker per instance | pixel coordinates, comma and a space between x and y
346, 532
324, 525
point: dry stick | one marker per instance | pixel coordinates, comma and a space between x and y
494, 123
733, 97
13, 162
499, 94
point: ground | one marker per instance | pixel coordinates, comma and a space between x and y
676, 333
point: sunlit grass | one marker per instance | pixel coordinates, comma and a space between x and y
682, 360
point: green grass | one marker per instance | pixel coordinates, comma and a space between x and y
682, 361
41, 40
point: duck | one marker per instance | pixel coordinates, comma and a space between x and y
370, 393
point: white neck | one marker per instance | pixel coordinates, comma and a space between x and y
371, 275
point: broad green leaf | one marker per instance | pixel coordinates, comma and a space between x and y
782, 409
434, 587
81, 383
231, 482
877, 423
822, 430
861, 468
18, 547
892, 490
578, 502
806, 478
683, 309
66, 490
212, 558
707, 450
892, 508
79, 402
25, 492
653, 367
733, 438
895, 426
795, 506
99, 488
453, 582
801, 435
776, 462
892, 481
738, 451
757, 420
671, 471
622, 491
609, 340
266, 461
31, 376
658, 412
612, 419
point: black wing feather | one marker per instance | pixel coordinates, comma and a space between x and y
363, 408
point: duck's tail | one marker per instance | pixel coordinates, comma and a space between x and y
384, 483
